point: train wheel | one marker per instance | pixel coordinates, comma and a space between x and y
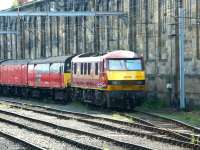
30, 93
53, 94
60, 96
76, 95
57, 98
19, 92
83, 97
99, 98
9, 91
24, 93
131, 103
68, 95
2, 90
108, 101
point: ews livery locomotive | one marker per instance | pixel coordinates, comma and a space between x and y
112, 79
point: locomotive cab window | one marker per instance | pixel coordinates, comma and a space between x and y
125, 64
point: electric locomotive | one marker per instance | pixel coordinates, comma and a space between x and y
111, 79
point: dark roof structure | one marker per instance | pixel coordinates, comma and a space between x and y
91, 54
14, 62
57, 59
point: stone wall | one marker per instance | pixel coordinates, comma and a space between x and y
150, 29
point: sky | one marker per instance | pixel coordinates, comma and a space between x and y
4, 4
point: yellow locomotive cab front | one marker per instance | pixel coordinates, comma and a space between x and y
126, 81
125, 75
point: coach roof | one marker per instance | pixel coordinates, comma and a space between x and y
15, 61
57, 59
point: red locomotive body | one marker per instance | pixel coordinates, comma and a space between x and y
112, 78
86, 72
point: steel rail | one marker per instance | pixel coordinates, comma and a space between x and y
136, 125
116, 142
176, 122
25, 143
57, 137
184, 143
78, 113
145, 125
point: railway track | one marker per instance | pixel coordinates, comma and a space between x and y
128, 129
95, 139
22, 144
57, 142
171, 125
67, 131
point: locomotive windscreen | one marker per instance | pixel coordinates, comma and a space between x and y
125, 64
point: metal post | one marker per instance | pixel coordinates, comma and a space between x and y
181, 57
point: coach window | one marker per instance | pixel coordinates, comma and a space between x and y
30, 67
39, 68
85, 68
81, 68
96, 68
46, 68
55, 68
75, 68
89, 68
36, 68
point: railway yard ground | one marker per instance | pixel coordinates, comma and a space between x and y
100, 75
159, 108
189, 117
77, 126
